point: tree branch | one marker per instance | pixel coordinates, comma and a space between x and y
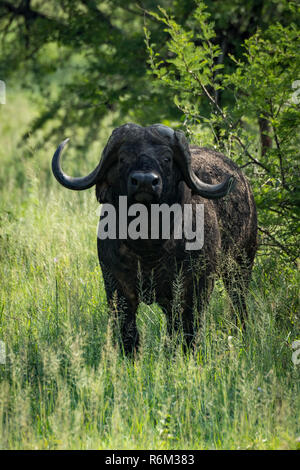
253, 159
24, 9
276, 242
92, 6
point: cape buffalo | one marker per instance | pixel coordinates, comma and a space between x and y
155, 165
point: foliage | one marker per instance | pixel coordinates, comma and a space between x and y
86, 65
65, 386
86, 60
82, 65
93, 54
261, 92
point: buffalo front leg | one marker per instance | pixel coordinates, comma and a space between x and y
123, 305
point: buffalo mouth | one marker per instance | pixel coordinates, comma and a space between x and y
144, 197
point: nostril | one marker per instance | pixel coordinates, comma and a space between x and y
155, 181
134, 181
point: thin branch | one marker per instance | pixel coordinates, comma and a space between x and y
92, 6
280, 158
283, 214
226, 118
253, 159
275, 241
211, 99
5, 30
140, 12
278, 149
247, 164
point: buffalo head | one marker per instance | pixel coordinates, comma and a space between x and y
143, 163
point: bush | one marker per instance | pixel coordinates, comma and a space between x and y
261, 101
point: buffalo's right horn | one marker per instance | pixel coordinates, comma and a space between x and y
108, 158
78, 184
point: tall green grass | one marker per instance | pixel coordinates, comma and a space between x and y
66, 386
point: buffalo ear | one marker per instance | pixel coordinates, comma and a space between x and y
102, 192
104, 188
182, 149
183, 158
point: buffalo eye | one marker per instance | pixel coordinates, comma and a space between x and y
167, 159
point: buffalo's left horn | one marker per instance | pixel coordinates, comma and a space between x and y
78, 184
208, 191
183, 159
